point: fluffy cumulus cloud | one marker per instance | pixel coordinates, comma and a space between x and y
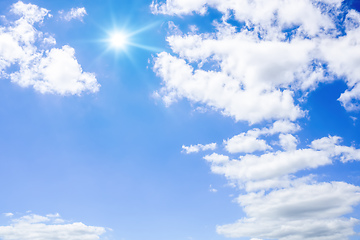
259, 63
49, 227
40, 65
249, 142
274, 168
278, 49
279, 205
245, 143
297, 213
74, 13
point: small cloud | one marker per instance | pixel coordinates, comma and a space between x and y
74, 13
198, 148
174, 29
193, 28
49, 40
354, 119
211, 189
8, 214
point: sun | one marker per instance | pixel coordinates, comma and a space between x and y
121, 40
118, 40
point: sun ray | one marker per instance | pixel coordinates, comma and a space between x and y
145, 28
146, 47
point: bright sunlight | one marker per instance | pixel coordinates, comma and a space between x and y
118, 40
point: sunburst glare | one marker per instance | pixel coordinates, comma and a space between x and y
118, 40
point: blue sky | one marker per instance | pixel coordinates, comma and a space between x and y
216, 120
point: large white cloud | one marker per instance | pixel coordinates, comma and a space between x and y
49, 227
279, 205
273, 168
283, 47
298, 213
222, 91
258, 69
47, 69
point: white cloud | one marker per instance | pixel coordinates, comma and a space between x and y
59, 72
49, 40
244, 143
36, 227
297, 213
288, 142
272, 168
29, 12
277, 204
260, 69
331, 146
249, 141
259, 12
271, 165
283, 48
179, 7
221, 91
216, 158
281, 127
282, 182
74, 13
8, 214
198, 148
48, 70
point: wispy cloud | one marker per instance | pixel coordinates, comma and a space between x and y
74, 13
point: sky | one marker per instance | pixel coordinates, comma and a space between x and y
179, 119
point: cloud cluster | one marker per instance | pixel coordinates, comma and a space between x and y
49, 227
262, 58
279, 205
278, 48
272, 168
34, 61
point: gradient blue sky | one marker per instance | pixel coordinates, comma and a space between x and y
114, 157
